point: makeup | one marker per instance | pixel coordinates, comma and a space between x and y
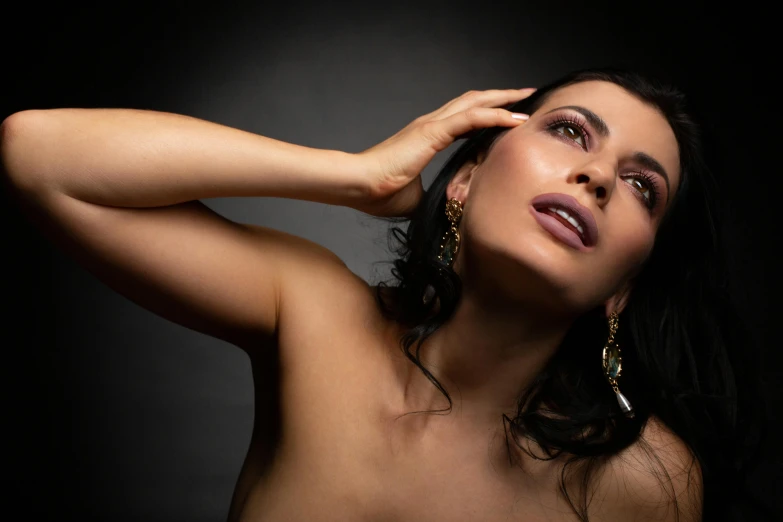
541, 208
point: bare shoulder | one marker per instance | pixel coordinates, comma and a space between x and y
325, 309
307, 268
308, 253
656, 478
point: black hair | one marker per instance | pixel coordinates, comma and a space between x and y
685, 343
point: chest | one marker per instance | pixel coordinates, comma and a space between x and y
326, 446
346, 476
331, 456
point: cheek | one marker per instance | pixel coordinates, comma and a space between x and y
527, 157
631, 246
516, 171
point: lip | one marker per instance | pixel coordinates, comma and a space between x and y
556, 228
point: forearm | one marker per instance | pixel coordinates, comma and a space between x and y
134, 158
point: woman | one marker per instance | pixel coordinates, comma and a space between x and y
559, 275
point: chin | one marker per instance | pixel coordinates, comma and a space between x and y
566, 276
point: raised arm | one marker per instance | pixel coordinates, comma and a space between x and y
119, 190
140, 159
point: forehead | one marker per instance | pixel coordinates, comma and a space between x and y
634, 125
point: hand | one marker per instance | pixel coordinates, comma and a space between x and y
393, 167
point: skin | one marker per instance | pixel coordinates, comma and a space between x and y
523, 288
339, 446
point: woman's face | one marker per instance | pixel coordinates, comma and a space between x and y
592, 141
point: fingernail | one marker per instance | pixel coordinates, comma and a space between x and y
519, 116
529, 89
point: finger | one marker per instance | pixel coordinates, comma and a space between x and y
441, 133
489, 98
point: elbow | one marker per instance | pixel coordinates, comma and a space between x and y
18, 163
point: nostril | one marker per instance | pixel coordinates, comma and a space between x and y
601, 192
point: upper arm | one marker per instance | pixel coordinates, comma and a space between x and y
184, 262
642, 483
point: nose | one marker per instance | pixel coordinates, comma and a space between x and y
598, 178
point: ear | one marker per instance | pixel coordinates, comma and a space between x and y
459, 186
619, 300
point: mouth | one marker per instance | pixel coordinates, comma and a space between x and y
566, 219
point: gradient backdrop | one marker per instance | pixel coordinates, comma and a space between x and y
112, 413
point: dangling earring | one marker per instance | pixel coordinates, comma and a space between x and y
449, 244
613, 365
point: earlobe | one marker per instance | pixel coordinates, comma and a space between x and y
618, 301
459, 186
462, 179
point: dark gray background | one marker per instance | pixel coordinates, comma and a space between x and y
113, 413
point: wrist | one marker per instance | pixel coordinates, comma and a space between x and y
346, 177
326, 176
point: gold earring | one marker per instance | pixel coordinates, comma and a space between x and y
613, 365
449, 244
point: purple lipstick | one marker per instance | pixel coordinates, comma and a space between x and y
565, 218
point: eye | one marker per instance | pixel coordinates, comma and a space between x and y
644, 184
572, 132
641, 187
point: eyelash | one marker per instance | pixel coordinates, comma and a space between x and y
572, 121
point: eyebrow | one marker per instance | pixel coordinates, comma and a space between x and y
600, 126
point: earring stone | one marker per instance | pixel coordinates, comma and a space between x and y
613, 365
450, 242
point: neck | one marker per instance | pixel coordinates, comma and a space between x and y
486, 354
